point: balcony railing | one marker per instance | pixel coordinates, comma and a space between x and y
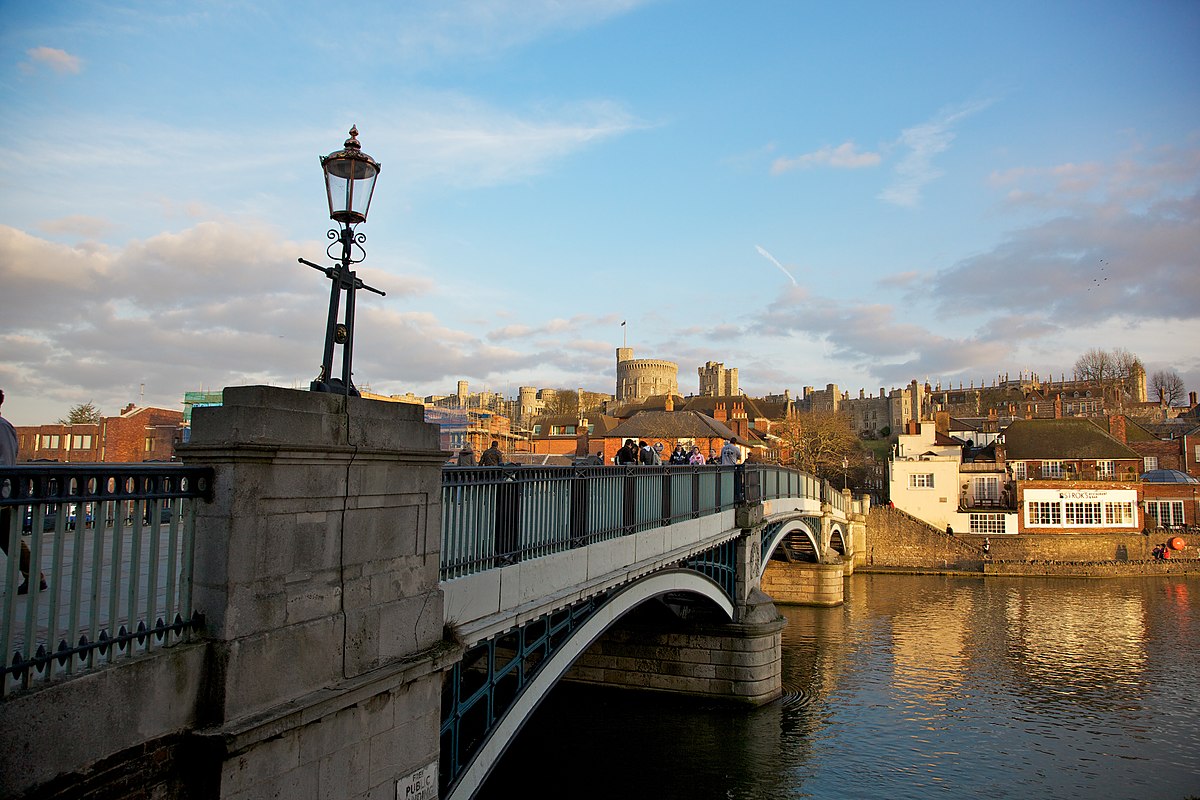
99, 564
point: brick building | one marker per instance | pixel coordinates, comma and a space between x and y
136, 434
67, 443
1171, 499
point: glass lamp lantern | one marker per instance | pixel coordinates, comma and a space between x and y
349, 181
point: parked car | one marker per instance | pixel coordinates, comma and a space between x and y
50, 518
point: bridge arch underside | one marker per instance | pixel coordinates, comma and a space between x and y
500, 682
792, 540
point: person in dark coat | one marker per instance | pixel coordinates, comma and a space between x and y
491, 457
628, 454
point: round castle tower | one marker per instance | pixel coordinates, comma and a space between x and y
640, 378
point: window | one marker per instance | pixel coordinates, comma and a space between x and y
81, 442
1019, 470
1052, 469
1118, 514
1149, 463
1082, 513
51, 441
149, 444
921, 481
1106, 470
1043, 513
987, 523
537, 430
987, 488
1165, 513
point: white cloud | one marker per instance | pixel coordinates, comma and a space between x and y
59, 61
1123, 242
916, 168
844, 156
222, 304
435, 31
453, 139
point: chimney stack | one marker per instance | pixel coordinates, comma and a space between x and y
1116, 427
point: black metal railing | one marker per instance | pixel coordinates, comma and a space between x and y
99, 563
494, 516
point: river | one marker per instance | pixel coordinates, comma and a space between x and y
917, 687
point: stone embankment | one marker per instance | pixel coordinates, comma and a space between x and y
899, 542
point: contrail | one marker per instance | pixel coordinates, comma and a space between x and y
773, 260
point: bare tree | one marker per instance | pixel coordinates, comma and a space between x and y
1094, 365
1101, 365
1124, 363
82, 413
818, 441
564, 402
1167, 386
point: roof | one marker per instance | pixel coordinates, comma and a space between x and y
755, 409
1061, 439
1134, 431
673, 425
1167, 476
601, 423
944, 440
655, 402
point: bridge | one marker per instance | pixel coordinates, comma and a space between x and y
317, 577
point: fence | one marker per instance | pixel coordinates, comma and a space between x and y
99, 564
493, 516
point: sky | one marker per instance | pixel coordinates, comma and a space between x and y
814, 193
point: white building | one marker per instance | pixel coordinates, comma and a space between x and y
928, 479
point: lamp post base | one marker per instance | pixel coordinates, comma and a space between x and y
333, 386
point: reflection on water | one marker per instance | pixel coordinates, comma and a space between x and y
918, 686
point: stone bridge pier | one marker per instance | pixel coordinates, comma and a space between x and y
317, 571
677, 645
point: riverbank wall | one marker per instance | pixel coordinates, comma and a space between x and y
899, 542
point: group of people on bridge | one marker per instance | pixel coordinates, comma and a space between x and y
632, 453
642, 453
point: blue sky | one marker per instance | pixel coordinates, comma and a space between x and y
858, 194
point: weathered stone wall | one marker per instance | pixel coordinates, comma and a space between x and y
896, 539
804, 584
77, 738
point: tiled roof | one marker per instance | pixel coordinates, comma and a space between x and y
754, 409
672, 425
602, 423
1061, 439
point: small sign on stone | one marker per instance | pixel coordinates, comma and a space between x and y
419, 785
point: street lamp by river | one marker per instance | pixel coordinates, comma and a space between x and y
349, 184
845, 465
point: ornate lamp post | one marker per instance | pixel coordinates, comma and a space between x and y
349, 183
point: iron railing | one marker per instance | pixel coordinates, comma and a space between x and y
494, 516
99, 564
